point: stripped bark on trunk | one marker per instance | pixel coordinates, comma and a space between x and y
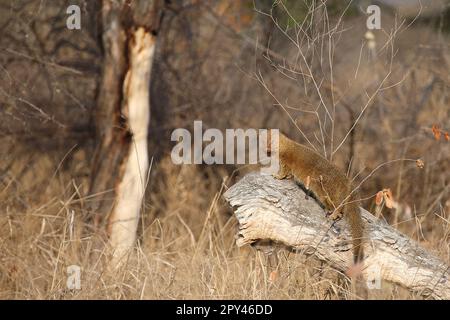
122, 117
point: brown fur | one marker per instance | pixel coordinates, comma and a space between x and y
326, 181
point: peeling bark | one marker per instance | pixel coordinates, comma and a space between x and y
120, 163
130, 190
270, 209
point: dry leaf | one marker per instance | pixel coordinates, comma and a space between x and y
446, 136
436, 131
379, 198
389, 199
420, 164
273, 276
386, 195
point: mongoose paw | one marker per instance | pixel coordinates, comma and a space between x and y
334, 215
279, 176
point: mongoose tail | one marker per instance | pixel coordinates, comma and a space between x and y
353, 216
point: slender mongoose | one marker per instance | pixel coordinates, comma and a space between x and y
327, 183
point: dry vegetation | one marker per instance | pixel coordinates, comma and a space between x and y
210, 67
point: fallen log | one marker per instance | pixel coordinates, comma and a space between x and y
278, 210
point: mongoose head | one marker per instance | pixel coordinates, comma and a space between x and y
272, 148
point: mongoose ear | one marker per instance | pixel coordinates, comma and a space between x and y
269, 138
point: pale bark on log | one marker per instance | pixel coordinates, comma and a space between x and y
277, 210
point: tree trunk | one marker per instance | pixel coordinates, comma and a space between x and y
277, 210
123, 112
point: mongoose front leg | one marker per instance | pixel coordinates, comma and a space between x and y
307, 184
283, 172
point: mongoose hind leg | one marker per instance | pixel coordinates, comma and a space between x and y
333, 214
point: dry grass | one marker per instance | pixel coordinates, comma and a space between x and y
180, 254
